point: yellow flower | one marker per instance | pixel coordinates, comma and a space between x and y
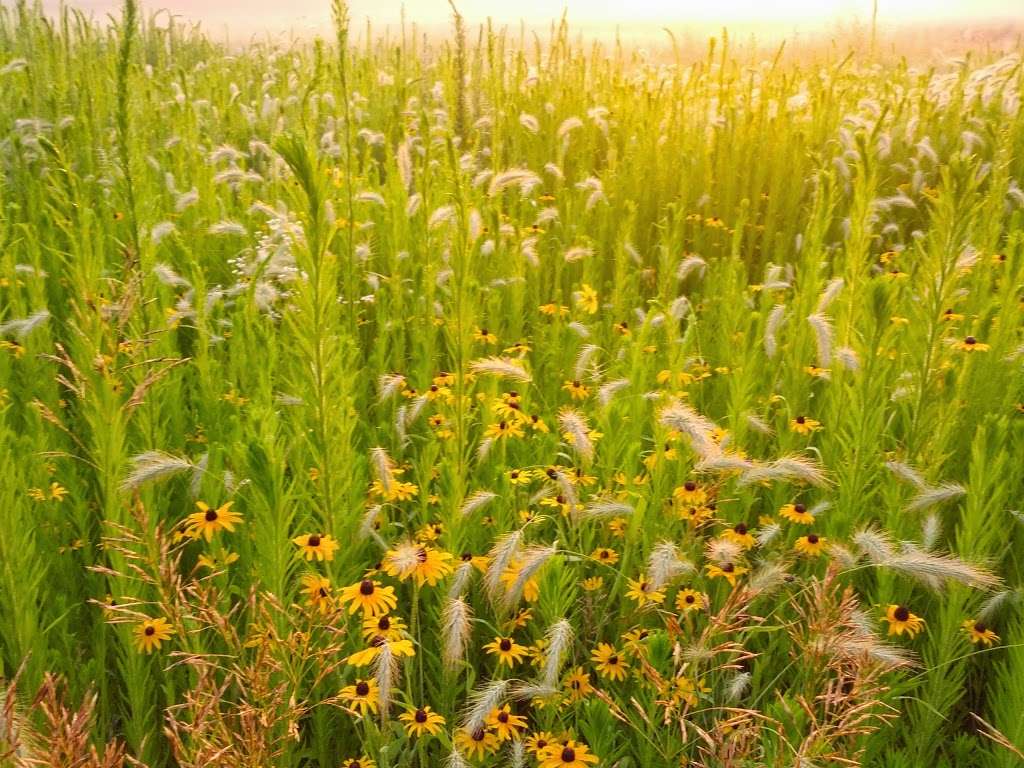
902, 620
796, 513
811, 544
971, 344
151, 633
423, 564
370, 596
567, 754
208, 521
576, 389
318, 589
422, 721
537, 742
643, 593
476, 743
320, 546
586, 299
504, 724
507, 650
484, 336
688, 600
739, 534
592, 584
605, 556
359, 762
609, 662
518, 477
503, 429
804, 425
554, 309
690, 494
978, 632
362, 695
383, 625
367, 656
727, 571
577, 684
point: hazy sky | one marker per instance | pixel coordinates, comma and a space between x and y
307, 14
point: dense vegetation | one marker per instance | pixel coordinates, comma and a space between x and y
663, 410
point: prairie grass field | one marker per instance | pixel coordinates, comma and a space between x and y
507, 399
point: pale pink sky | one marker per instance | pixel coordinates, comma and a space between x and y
306, 15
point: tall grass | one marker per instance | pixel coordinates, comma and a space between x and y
546, 335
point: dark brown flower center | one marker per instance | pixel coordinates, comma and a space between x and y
366, 587
313, 540
150, 631
740, 528
970, 341
800, 420
362, 688
384, 623
689, 599
901, 613
980, 628
420, 716
690, 486
728, 567
478, 734
505, 645
568, 755
211, 515
613, 660
799, 508
421, 555
503, 717
812, 538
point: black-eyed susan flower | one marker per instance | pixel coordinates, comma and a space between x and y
383, 625
605, 556
577, 684
503, 429
901, 620
567, 754
796, 513
425, 565
577, 389
690, 494
207, 521
609, 662
979, 633
151, 633
368, 655
810, 545
592, 584
740, 535
507, 650
518, 477
586, 299
476, 743
317, 590
538, 742
644, 593
359, 762
971, 344
363, 696
689, 600
422, 720
684, 689
370, 596
484, 336
503, 724
804, 425
728, 571
316, 545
